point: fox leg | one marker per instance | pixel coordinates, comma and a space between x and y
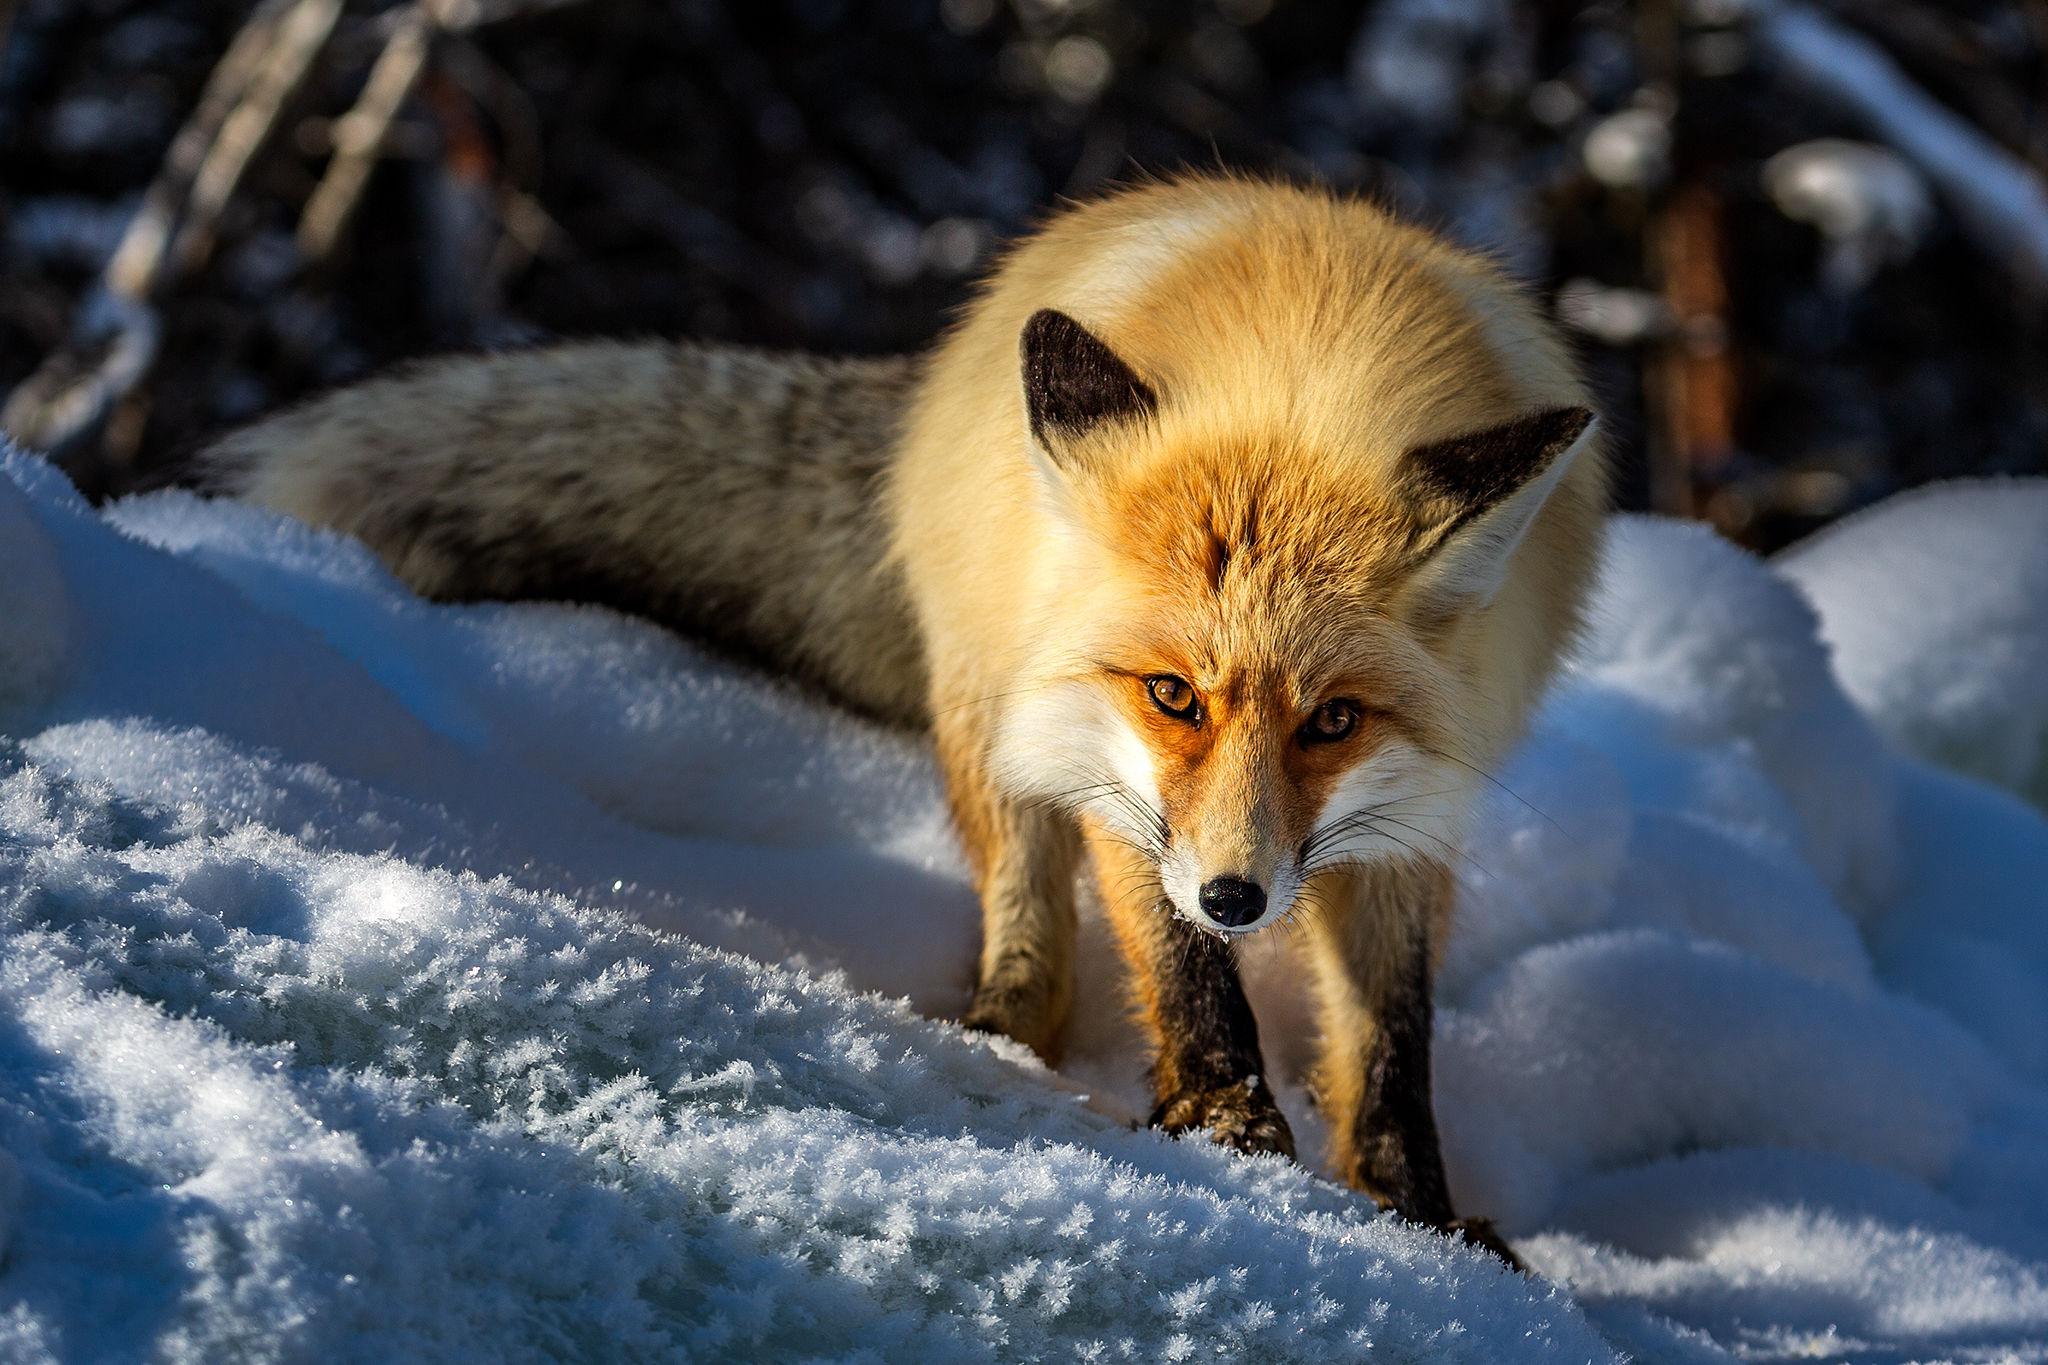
1372, 949
1207, 1071
1024, 858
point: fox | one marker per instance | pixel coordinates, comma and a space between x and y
1223, 544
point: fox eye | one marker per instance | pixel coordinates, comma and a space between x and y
1172, 695
1332, 721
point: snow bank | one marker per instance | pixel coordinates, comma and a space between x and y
388, 981
1933, 604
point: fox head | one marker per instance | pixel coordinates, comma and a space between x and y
1262, 654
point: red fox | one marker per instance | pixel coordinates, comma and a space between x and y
1228, 537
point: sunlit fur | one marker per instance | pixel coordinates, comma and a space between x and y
1252, 536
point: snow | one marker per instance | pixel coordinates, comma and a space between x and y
1932, 604
1617, 316
1868, 202
1629, 149
384, 981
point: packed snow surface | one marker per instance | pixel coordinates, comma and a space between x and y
384, 981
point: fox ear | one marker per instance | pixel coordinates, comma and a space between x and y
1072, 381
1492, 483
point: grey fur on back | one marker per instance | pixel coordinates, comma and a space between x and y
733, 495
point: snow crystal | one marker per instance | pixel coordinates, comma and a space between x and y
268, 1100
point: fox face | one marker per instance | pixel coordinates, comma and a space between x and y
1249, 667
1243, 778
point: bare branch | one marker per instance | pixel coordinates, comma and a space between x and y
300, 36
359, 135
72, 392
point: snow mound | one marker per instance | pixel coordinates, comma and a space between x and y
1745, 1016
390, 981
1934, 604
266, 1101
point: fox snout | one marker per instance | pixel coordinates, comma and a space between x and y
1232, 902
1228, 890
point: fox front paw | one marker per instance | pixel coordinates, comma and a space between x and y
1244, 1116
1019, 1010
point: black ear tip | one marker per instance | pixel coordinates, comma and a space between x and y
1073, 380
1051, 338
1049, 326
1049, 333
1480, 468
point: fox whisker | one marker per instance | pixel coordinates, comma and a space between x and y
1331, 852
1503, 787
1120, 810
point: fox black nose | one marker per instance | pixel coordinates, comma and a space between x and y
1233, 902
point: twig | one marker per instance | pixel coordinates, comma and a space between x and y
458, 215
527, 228
133, 268
300, 36
71, 392
1947, 55
359, 134
510, 109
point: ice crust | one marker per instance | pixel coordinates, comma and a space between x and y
386, 981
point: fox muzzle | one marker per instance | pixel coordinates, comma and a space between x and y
1232, 902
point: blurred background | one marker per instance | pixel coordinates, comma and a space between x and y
1802, 247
